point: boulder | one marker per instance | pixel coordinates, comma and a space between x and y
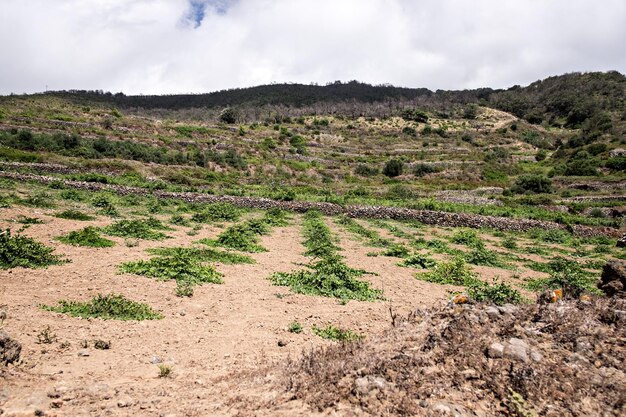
613, 279
621, 242
9, 349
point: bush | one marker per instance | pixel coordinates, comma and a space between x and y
393, 168
455, 272
23, 251
106, 307
468, 237
331, 332
217, 212
88, 236
532, 183
567, 275
229, 115
498, 293
417, 260
139, 229
415, 115
173, 268
421, 169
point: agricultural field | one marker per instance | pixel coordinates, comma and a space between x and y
178, 262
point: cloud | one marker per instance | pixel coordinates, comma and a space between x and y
176, 46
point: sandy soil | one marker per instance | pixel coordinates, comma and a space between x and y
220, 330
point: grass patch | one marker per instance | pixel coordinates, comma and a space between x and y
74, 215
331, 332
88, 236
107, 307
148, 229
26, 252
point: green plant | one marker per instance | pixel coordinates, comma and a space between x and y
183, 268
40, 199
295, 327
28, 220
498, 293
23, 251
468, 238
217, 212
331, 332
139, 229
328, 277
417, 260
567, 275
203, 255
183, 289
396, 250
107, 307
74, 215
486, 257
88, 236
455, 272
393, 168
165, 370
532, 183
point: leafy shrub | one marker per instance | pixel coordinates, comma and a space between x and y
41, 200
139, 229
331, 332
565, 274
203, 255
217, 212
486, 257
581, 164
229, 115
328, 277
409, 131
455, 272
498, 293
421, 169
295, 327
23, 251
393, 168
468, 238
74, 215
415, 115
88, 236
417, 260
318, 238
107, 307
173, 268
532, 183
276, 217
397, 250
617, 163
365, 170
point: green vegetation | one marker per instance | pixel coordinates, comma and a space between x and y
468, 237
295, 327
486, 257
218, 212
331, 332
242, 237
179, 268
566, 274
417, 260
203, 255
107, 307
165, 370
358, 229
24, 251
498, 293
148, 229
88, 236
455, 272
74, 215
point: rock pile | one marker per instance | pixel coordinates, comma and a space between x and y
613, 279
9, 349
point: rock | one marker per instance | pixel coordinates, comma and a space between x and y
492, 312
470, 374
282, 343
446, 409
613, 279
84, 352
516, 349
10, 349
495, 350
621, 242
155, 360
367, 384
508, 309
536, 356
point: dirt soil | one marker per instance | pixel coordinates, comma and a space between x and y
221, 330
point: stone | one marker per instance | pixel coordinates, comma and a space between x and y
516, 349
613, 279
492, 312
536, 356
155, 360
84, 352
10, 349
495, 350
366, 384
451, 410
508, 309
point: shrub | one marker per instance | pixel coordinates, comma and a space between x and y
217, 212
455, 272
23, 251
486, 257
417, 260
139, 229
393, 168
331, 332
397, 250
200, 254
173, 268
365, 170
421, 169
468, 238
88, 236
229, 115
409, 131
532, 183
617, 163
565, 274
415, 115
74, 215
498, 293
107, 307
295, 327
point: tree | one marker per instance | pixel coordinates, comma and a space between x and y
532, 183
229, 115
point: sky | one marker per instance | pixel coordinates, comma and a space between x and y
198, 46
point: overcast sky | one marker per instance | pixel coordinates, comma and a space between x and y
181, 46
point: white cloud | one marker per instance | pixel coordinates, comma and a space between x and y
148, 46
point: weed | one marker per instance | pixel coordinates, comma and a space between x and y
102, 344
295, 327
486, 257
74, 215
183, 289
217, 212
468, 238
417, 260
23, 251
498, 293
179, 220
328, 277
565, 274
46, 336
41, 200
203, 255
165, 370
177, 268
510, 243
139, 229
396, 250
455, 272
107, 307
276, 217
331, 332
242, 236
318, 239
88, 236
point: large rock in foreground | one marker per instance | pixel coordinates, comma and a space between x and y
9, 349
613, 279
